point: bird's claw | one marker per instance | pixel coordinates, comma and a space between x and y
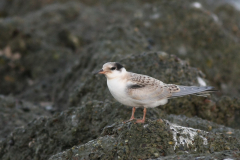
140, 120
129, 120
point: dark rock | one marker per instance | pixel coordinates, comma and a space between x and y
79, 125
151, 140
46, 41
17, 113
208, 38
63, 130
215, 155
225, 110
116, 42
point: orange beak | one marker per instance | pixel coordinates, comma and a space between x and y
100, 72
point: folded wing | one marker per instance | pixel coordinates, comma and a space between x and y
146, 89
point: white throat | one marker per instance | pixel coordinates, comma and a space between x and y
117, 87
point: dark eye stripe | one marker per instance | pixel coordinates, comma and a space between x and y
113, 68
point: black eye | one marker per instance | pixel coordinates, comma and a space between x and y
113, 68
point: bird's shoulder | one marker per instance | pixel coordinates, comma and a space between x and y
141, 80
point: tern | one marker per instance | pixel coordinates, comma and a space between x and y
137, 90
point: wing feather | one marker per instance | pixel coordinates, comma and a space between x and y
147, 89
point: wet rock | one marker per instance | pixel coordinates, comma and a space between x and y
151, 140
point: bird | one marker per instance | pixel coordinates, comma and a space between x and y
137, 90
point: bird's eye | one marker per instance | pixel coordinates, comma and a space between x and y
113, 68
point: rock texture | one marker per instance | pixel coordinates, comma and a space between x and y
17, 113
144, 141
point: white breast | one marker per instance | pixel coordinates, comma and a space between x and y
117, 88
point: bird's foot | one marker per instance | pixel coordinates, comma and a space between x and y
140, 120
129, 120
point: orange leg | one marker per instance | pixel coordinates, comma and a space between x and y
132, 117
144, 115
133, 111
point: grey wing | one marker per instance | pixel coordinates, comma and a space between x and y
187, 90
147, 89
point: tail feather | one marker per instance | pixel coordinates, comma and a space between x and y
198, 91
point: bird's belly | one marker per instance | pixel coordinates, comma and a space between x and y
156, 103
125, 100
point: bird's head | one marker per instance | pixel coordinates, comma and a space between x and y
112, 70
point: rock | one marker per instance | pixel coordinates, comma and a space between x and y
202, 124
38, 59
50, 135
17, 113
215, 155
225, 110
153, 139
77, 126
113, 44
207, 37
45, 50
20, 7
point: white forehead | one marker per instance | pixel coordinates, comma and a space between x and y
108, 64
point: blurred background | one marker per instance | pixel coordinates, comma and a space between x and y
42, 38
50, 48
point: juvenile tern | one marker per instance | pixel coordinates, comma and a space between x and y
137, 90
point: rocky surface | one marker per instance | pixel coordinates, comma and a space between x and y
64, 130
17, 113
85, 123
216, 155
53, 106
150, 140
